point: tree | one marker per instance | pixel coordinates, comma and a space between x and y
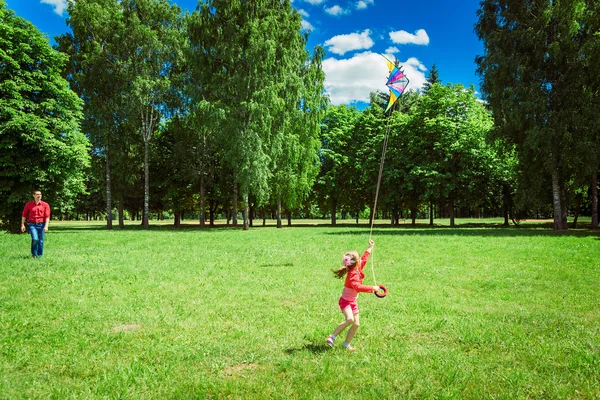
97, 73
453, 126
41, 145
432, 78
362, 170
295, 136
404, 180
240, 43
332, 187
534, 70
155, 32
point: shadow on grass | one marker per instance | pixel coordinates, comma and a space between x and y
350, 228
182, 228
473, 230
315, 348
21, 257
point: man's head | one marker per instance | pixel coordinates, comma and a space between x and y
37, 195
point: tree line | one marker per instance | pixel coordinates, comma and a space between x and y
221, 112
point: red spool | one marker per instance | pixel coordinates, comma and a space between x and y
379, 292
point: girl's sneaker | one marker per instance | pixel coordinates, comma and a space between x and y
348, 347
329, 341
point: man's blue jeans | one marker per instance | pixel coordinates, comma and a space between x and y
37, 239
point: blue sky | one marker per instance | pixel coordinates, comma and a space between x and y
354, 33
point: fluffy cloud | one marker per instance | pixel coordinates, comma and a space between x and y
363, 4
336, 11
59, 5
352, 80
307, 25
303, 13
342, 44
314, 2
403, 37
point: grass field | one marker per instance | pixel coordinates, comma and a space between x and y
472, 313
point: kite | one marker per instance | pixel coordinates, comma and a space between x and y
396, 83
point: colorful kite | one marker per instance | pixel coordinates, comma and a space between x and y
396, 82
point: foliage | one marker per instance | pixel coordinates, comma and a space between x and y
432, 78
334, 186
437, 151
536, 65
41, 146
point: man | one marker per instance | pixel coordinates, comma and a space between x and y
37, 215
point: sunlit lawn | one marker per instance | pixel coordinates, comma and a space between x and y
473, 312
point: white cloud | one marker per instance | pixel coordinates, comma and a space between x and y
403, 37
314, 2
303, 13
342, 44
392, 50
351, 80
363, 4
59, 5
336, 11
307, 25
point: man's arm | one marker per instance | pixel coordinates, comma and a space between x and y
46, 217
24, 215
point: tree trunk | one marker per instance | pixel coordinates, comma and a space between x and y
121, 215
333, 212
556, 200
564, 209
413, 214
146, 185
202, 221
451, 210
289, 217
279, 224
234, 205
431, 213
108, 193
245, 216
213, 207
576, 217
177, 221
595, 200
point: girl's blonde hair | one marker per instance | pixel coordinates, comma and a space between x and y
339, 273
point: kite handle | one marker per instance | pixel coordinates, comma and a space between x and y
382, 292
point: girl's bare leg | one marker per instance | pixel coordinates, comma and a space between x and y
353, 328
349, 321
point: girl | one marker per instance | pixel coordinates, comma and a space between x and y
352, 267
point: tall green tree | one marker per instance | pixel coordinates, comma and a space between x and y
337, 157
533, 68
432, 78
295, 134
97, 72
155, 34
404, 178
453, 126
241, 44
41, 145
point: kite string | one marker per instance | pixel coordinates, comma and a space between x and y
383, 151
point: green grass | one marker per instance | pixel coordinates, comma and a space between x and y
472, 312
